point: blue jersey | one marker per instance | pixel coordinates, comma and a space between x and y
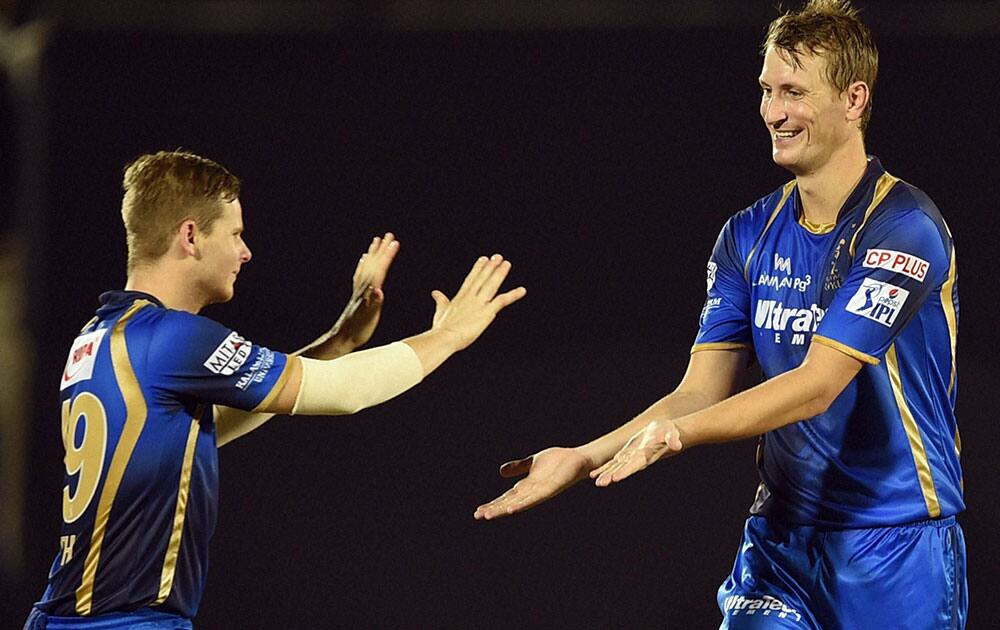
139, 501
880, 286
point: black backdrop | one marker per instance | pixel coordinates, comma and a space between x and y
603, 164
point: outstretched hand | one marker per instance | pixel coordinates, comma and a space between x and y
660, 438
361, 315
549, 472
476, 303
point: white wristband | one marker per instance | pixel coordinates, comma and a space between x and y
357, 380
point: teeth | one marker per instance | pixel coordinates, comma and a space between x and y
785, 134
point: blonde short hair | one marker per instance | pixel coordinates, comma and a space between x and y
162, 190
830, 29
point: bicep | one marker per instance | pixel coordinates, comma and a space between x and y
828, 370
715, 374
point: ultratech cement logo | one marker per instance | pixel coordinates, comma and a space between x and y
773, 315
899, 262
878, 301
229, 356
764, 606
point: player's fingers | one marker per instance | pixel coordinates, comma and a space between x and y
504, 300
607, 476
498, 504
383, 260
628, 469
511, 503
473, 274
516, 467
476, 288
491, 283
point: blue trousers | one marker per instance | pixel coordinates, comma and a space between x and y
910, 576
143, 619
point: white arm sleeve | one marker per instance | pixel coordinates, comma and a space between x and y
357, 380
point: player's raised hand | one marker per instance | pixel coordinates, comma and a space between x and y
659, 438
477, 303
549, 472
361, 316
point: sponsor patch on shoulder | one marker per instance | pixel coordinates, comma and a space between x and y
897, 262
82, 357
231, 354
878, 301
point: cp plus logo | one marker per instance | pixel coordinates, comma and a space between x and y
897, 262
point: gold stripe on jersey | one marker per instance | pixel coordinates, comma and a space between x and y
135, 419
882, 188
173, 547
846, 349
948, 304
913, 435
719, 345
278, 385
789, 187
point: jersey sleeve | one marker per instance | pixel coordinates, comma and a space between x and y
725, 318
210, 363
898, 262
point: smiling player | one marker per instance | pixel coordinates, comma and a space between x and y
843, 285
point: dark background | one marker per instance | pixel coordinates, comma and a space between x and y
601, 158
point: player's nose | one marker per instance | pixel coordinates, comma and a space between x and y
772, 110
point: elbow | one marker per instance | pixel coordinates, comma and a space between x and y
822, 400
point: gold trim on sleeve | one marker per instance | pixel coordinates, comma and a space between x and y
882, 188
920, 460
719, 345
789, 187
278, 385
135, 420
846, 349
173, 547
948, 304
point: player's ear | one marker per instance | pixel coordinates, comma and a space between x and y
858, 96
186, 233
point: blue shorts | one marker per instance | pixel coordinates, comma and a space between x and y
909, 576
143, 619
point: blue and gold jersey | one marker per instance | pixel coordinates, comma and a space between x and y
139, 501
879, 285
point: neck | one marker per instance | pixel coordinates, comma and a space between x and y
168, 286
824, 191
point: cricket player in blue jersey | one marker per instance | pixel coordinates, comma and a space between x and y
842, 284
151, 389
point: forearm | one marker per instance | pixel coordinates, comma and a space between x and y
433, 347
677, 404
235, 423
330, 345
787, 398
